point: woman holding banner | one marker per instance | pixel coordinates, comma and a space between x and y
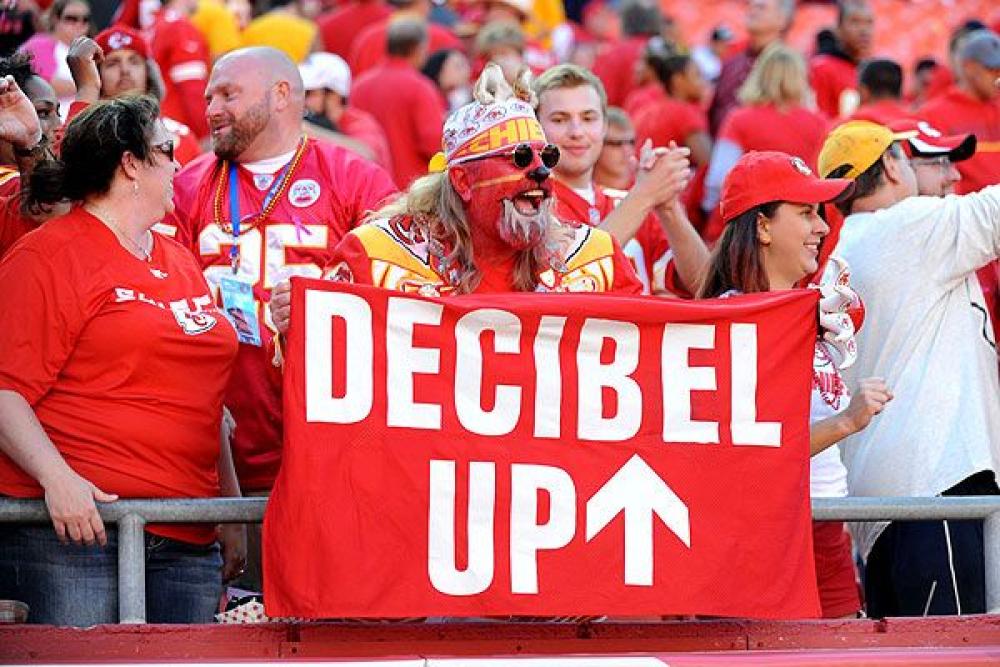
771, 241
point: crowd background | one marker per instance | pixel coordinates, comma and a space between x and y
631, 93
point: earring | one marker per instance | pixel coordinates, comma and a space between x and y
135, 188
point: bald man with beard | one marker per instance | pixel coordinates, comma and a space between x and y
268, 203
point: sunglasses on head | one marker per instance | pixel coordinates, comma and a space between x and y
523, 155
167, 148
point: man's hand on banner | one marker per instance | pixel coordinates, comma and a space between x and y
281, 306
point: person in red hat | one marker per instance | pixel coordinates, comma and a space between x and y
933, 155
124, 67
771, 241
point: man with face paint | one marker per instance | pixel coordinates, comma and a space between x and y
483, 222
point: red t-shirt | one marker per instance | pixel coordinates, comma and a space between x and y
642, 97
329, 193
182, 54
13, 225
363, 126
882, 112
339, 28
408, 107
831, 77
648, 251
123, 362
667, 120
369, 49
796, 131
956, 112
615, 67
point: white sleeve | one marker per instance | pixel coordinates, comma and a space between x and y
725, 154
965, 233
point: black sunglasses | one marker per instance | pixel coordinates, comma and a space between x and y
167, 148
75, 18
523, 155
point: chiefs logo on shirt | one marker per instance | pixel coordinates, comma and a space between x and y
194, 323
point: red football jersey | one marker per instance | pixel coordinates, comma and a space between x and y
669, 119
340, 27
328, 193
835, 82
640, 98
13, 225
648, 251
183, 56
123, 362
756, 128
412, 120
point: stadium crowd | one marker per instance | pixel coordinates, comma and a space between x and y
165, 175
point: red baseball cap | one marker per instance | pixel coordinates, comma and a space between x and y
120, 37
760, 177
931, 142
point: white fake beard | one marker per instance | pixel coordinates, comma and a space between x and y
521, 231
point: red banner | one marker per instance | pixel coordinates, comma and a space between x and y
543, 455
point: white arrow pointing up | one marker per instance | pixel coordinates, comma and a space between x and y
639, 492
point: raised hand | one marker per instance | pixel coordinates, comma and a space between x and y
18, 121
83, 59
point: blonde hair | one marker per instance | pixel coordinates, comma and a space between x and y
569, 75
778, 77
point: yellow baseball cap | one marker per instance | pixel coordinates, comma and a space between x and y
858, 144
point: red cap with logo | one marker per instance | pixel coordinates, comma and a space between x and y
931, 142
120, 37
760, 177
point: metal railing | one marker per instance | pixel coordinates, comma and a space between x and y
131, 517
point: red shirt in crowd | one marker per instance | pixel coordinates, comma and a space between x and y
669, 119
835, 82
408, 107
363, 126
648, 251
616, 67
340, 27
642, 97
883, 112
13, 225
957, 112
796, 131
369, 49
328, 193
183, 57
123, 361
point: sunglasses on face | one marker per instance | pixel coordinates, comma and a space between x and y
75, 18
167, 148
523, 155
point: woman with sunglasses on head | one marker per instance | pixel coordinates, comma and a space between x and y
771, 241
111, 382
